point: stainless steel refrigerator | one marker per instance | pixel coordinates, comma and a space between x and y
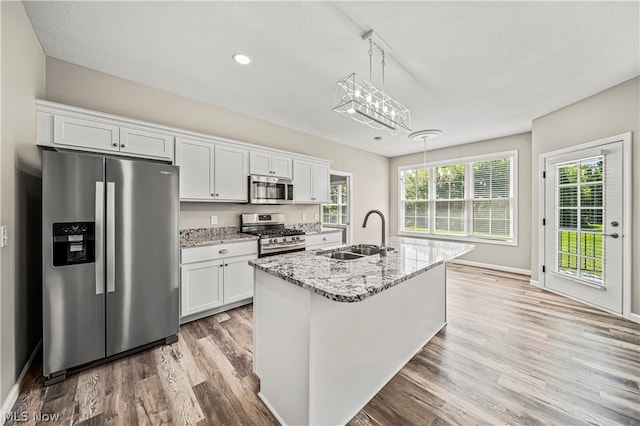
110, 258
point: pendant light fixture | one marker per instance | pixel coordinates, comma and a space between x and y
360, 100
424, 136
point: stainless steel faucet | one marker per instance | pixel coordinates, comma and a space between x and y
383, 247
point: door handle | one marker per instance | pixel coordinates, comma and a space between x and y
99, 239
614, 235
223, 251
111, 237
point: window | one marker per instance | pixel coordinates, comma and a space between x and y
470, 199
335, 212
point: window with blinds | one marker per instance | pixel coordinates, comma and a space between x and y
416, 198
492, 198
473, 198
450, 200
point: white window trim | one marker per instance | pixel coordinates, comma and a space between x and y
466, 161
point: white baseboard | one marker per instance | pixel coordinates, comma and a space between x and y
11, 399
535, 283
633, 317
490, 266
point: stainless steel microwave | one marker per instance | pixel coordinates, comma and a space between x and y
270, 190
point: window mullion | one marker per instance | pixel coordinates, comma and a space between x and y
468, 195
431, 204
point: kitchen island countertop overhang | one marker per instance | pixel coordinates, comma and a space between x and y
320, 361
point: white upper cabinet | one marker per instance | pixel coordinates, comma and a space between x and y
94, 135
230, 173
91, 134
211, 172
195, 159
143, 142
310, 182
268, 164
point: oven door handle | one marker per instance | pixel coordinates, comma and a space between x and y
278, 247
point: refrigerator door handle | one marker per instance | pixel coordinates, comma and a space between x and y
111, 237
99, 238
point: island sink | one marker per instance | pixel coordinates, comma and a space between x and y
354, 252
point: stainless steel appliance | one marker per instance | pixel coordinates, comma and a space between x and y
270, 190
274, 237
110, 258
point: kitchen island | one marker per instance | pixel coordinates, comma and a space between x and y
329, 333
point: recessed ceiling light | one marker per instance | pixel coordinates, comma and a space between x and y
242, 59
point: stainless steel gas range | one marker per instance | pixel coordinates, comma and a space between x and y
274, 237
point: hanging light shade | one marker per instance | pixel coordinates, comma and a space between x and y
359, 100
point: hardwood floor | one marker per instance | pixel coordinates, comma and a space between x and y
510, 354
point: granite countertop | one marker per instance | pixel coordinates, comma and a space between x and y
200, 237
356, 280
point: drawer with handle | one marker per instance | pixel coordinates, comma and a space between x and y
219, 251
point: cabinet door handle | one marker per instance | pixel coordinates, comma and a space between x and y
114, 144
324, 239
217, 195
223, 251
226, 264
213, 195
122, 145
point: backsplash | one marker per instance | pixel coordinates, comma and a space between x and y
305, 226
217, 231
206, 233
197, 215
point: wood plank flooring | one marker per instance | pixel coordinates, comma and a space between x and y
510, 354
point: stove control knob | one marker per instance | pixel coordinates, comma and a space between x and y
284, 239
270, 240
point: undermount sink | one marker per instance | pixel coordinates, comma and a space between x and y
364, 250
357, 251
343, 255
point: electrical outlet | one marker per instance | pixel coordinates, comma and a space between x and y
4, 239
317, 216
214, 220
304, 217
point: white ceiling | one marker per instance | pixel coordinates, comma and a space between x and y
476, 70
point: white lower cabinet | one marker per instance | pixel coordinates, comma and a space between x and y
325, 240
201, 287
215, 278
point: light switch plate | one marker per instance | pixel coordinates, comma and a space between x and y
317, 216
304, 217
4, 238
214, 220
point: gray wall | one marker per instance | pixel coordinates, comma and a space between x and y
75, 85
514, 257
23, 80
611, 112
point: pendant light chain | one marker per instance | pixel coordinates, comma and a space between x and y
383, 89
370, 59
424, 153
